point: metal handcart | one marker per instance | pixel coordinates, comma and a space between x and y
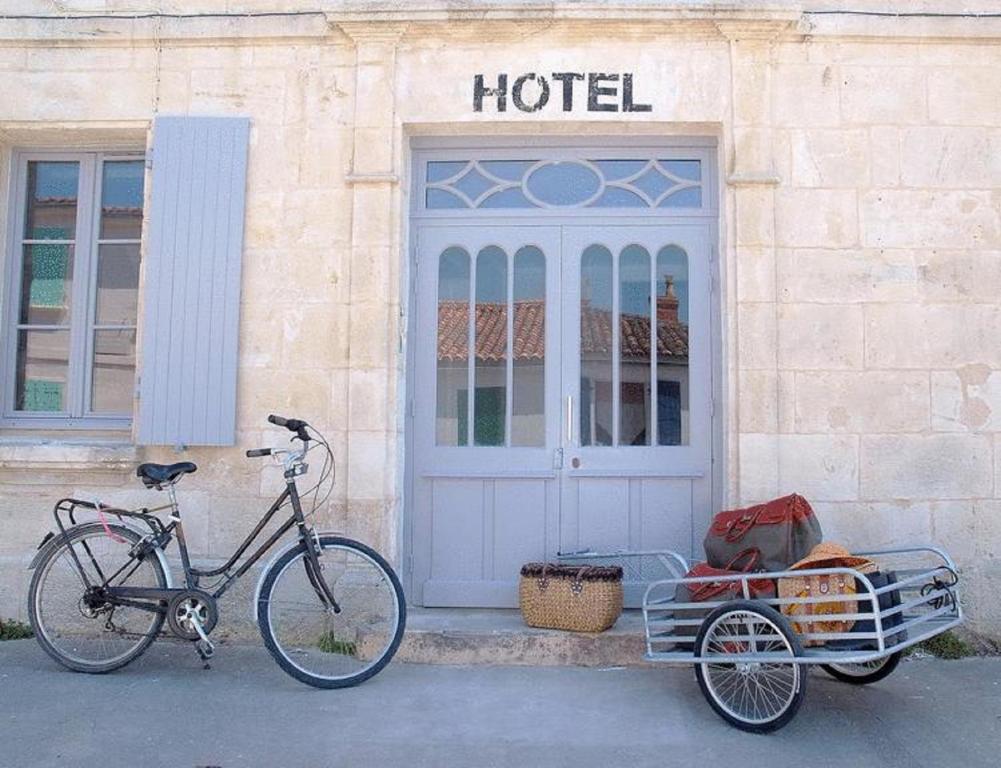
750, 662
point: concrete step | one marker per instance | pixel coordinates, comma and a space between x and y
500, 637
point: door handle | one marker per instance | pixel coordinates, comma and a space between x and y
569, 420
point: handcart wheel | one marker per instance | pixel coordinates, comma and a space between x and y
865, 673
755, 696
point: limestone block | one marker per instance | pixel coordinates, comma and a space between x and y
370, 340
233, 516
373, 151
818, 336
240, 91
846, 276
805, 95
932, 335
874, 94
54, 59
323, 158
965, 158
820, 467
14, 578
24, 521
260, 340
368, 462
863, 401
293, 392
316, 96
752, 149
997, 466
822, 218
758, 401
374, 216
263, 210
758, 468
787, 401
884, 143
878, 53
755, 216
967, 400
861, 526
964, 95
13, 58
755, 273
311, 219
38, 96
370, 406
926, 466
314, 336
966, 276
829, 158
186, 58
930, 219
750, 85
756, 335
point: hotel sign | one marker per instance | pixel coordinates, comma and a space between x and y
583, 91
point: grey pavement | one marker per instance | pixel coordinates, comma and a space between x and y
165, 710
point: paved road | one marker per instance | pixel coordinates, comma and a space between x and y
164, 710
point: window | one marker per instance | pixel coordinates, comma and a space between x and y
73, 289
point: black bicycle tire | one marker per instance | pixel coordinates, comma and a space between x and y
782, 623
892, 662
98, 669
264, 626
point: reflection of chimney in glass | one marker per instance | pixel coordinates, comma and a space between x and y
667, 303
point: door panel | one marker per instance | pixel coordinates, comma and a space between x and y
485, 486
636, 388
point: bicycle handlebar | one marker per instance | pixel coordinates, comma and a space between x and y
292, 425
254, 452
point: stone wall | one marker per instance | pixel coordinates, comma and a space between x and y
860, 167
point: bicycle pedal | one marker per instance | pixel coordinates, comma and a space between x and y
205, 650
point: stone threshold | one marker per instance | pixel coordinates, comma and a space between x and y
500, 637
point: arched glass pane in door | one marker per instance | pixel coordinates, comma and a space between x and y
672, 346
528, 377
490, 404
451, 417
596, 326
634, 346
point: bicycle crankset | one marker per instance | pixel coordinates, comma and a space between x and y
190, 609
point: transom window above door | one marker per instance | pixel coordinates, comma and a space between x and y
641, 182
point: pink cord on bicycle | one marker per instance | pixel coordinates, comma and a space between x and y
104, 524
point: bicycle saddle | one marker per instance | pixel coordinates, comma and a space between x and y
155, 475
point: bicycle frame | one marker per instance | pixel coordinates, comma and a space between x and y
160, 536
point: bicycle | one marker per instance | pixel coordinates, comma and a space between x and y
330, 609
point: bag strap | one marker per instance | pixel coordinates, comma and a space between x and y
755, 555
739, 526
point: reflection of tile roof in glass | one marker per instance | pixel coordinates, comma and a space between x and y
529, 332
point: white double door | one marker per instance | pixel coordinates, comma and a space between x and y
561, 399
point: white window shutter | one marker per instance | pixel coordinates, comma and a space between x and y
191, 297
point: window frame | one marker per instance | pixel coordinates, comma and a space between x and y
82, 320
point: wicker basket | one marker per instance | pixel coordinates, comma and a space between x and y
571, 597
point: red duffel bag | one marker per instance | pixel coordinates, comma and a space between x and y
782, 530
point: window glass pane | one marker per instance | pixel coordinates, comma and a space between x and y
51, 200
113, 382
563, 183
634, 346
596, 346
117, 284
672, 347
46, 284
122, 200
42, 367
528, 381
490, 403
451, 420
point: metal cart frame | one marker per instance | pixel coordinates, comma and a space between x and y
741, 640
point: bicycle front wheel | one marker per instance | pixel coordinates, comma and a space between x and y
310, 641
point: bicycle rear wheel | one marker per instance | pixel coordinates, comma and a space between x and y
311, 642
75, 629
